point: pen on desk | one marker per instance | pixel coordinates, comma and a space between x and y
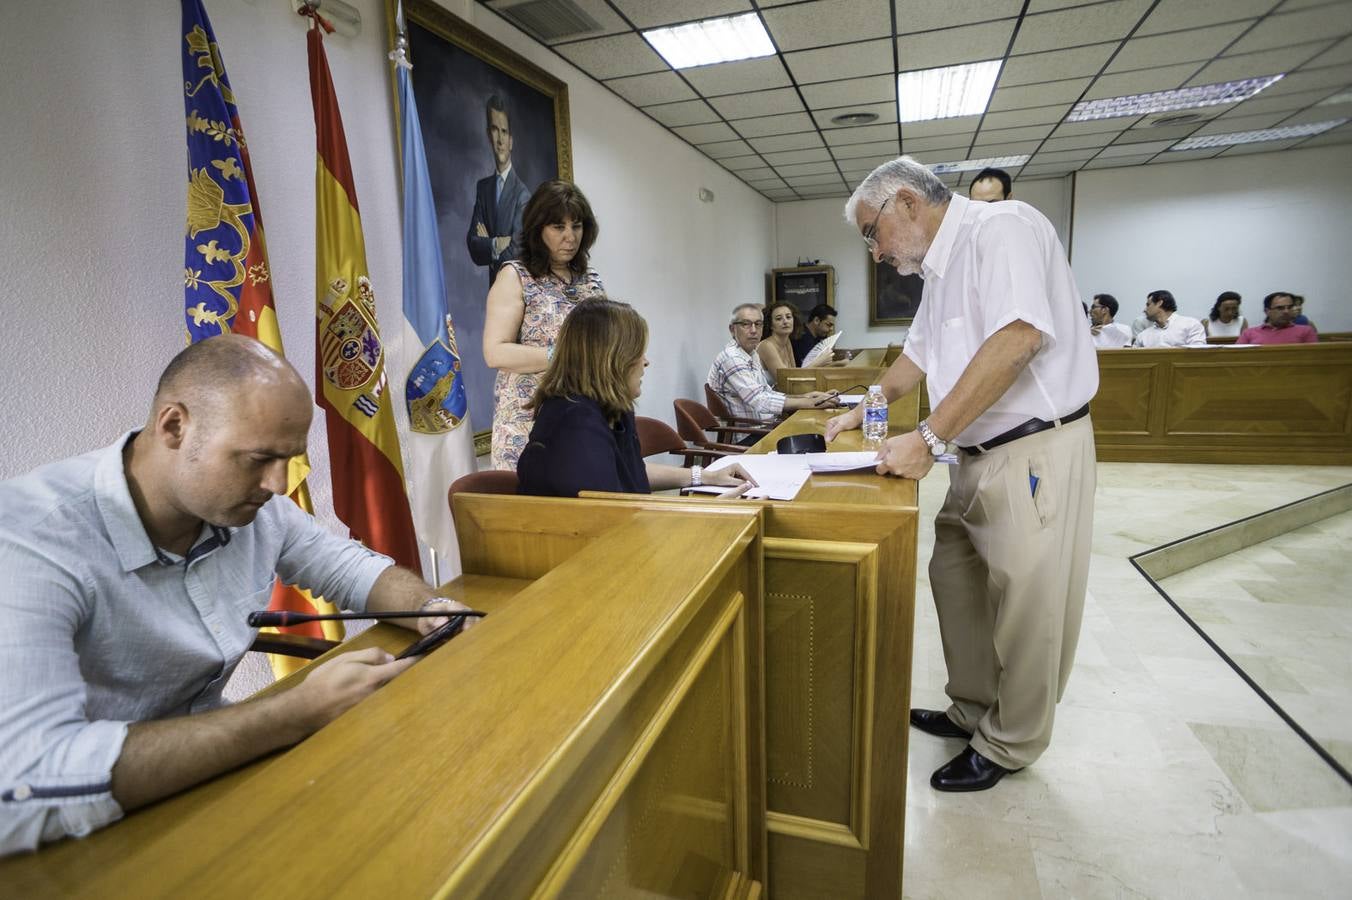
283, 618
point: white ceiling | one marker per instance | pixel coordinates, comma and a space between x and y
768, 121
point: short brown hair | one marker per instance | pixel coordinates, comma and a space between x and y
769, 313
551, 203
599, 342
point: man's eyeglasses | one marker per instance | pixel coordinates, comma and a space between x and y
747, 323
870, 232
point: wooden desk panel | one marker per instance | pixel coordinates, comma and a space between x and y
1252, 405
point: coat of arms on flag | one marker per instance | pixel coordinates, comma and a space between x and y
435, 390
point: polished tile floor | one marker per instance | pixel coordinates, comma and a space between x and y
1167, 776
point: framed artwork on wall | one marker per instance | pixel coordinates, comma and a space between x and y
477, 100
893, 298
803, 286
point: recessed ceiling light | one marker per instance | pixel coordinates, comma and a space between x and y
971, 165
1285, 133
946, 92
712, 41
1165, 101
854, 118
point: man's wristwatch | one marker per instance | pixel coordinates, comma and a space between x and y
937, 445
696, 476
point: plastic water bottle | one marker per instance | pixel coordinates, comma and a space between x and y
875, 417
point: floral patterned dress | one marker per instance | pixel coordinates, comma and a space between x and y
547, 303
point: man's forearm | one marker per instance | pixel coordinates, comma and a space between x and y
163, 757
993, 369
900, 378
398, 589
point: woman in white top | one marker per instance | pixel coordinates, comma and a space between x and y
774, 350
1225, 320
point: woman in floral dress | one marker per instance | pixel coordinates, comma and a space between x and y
528, 302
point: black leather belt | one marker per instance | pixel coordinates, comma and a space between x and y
1032, 426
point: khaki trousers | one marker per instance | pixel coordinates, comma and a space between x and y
1009, 571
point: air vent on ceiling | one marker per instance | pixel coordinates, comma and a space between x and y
551, 20
1178, 119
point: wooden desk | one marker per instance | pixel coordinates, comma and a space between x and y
599, 735
1239, 405
839, 569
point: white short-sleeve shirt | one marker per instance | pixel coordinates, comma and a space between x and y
991, 264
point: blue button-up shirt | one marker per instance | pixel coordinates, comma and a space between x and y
99, 629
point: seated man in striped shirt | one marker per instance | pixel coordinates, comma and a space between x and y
738, 377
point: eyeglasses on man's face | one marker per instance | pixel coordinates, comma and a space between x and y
747, 323
871, 232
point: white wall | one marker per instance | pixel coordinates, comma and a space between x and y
93, 179
1253, 224
815, 229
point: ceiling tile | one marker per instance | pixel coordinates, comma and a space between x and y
846, 61
1095, 126
1176, 15
725, 149
1329, 78
704, 134
1045, 94
1241, 123
873, 89
1181, 46
742, 163
1252, 65
862, 151
658, 87
1036, 116
651, 13
955, 125
1053, 169
1117, 162
757, 173
1054, 64
600, 12
1314, 114
798, 141
1183, 155
940, 155
1153, 135
1260, 147
827, 22
614, 57
938, 142
781, 196
1025, 133
1068, 27
1077, 142
925, 15
757, 103
691, 112
738, 77
859, 134
1341, 135
810, 174
790, 157
1151, 147
970, 43
1122, 84
814, 195
868, 163
886, 112
768, 125
1285, 29
1278, 103
1062, 156
1341, 52
1004, 148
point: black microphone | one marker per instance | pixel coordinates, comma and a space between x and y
265, 618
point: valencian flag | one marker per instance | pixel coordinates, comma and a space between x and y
440, 447
227, 287
367, 471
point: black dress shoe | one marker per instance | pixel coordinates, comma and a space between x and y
968, 771
937, 723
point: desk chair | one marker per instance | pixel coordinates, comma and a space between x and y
489, 481
693, 420
719, 409
656, 436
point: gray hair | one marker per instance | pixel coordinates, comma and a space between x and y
887, 179
741, 306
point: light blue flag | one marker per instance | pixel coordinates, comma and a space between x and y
439, 442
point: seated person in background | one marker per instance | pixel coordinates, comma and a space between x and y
1107, 333
1225, 320
1280, 327
821, 324
776, 351
584, 437
1299, 310
126, 575
1170, 328
738, 377
992, 186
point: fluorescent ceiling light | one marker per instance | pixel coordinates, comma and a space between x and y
971, 165
1284, 133
946, 92
1165, 101
711, 41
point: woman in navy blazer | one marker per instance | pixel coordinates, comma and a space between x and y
584, 437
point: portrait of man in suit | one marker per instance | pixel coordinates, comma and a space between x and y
494, 229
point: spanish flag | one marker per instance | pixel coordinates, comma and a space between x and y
367, 469
227, 284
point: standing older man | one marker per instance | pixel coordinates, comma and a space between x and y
126, 576
1001, 339
738, 377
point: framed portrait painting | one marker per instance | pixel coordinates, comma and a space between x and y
893, 298
495, 127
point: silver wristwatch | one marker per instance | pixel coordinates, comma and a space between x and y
937, 445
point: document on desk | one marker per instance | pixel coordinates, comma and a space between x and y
777, 477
